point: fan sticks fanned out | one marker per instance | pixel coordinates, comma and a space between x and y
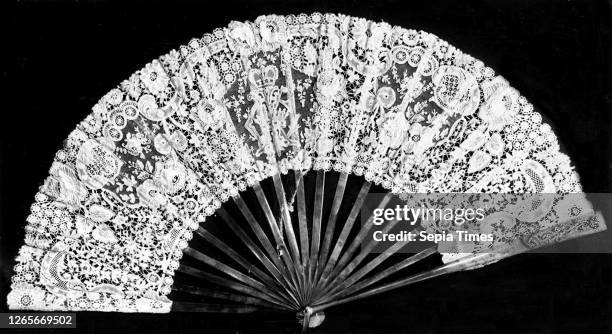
214, 308
290, 267
280, 272
458, 265
223, 247
341, 273
352, 288
346, 229
286, 218
316, 227
333, 217
350, 251
231, 284
303, 223
200, 291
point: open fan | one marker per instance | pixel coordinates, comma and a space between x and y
230, 175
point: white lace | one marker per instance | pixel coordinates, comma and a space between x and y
166, 148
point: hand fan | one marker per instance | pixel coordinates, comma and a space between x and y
229, 175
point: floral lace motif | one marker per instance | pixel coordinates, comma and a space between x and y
162, 151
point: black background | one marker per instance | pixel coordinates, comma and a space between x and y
557, 53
